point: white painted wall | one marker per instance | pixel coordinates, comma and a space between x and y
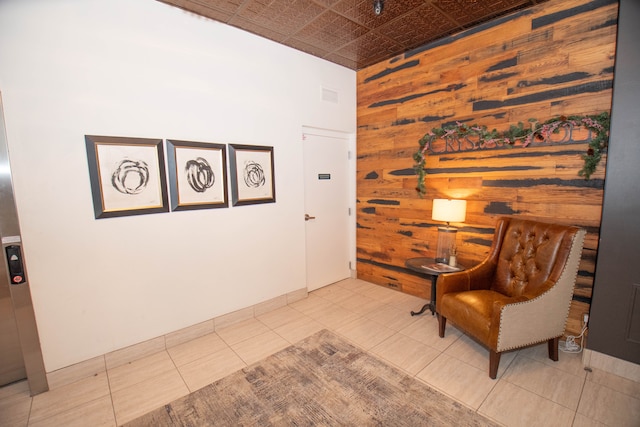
140, 68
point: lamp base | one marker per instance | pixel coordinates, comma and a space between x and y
446, 240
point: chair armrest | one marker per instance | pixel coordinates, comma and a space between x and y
496, 315
478, 277
530, 321
499, 305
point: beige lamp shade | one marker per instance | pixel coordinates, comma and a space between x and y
449, 210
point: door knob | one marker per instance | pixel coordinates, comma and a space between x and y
307, 217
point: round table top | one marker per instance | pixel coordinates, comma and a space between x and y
430, 266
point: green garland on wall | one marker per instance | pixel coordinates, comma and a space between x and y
518, 135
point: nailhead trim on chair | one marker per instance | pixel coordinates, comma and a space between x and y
574, 258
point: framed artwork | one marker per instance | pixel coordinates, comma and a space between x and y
197, 175
252, 174
127, 176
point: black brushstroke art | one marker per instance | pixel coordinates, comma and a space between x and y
199, 174
130, 176
253, 174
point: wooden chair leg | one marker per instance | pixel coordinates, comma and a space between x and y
553, 348
442, 323
494, 361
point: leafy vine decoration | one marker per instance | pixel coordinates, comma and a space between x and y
598, 125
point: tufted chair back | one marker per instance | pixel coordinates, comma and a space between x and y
520, 294
528, 261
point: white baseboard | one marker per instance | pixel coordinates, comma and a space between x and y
613, 365
100, 364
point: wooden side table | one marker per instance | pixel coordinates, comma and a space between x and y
429, 267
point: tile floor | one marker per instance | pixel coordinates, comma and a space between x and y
530, 390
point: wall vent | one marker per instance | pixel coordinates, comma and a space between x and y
329, 95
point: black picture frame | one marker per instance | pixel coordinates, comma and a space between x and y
197, 175
252, 174
127, 176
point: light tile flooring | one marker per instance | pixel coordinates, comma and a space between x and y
531, 390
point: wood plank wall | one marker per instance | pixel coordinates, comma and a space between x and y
553, 59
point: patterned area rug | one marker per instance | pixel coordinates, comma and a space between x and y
320, 381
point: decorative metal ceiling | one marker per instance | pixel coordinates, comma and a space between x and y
348, 32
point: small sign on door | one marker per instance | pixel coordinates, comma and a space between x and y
324, 176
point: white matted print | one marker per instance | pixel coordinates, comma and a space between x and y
127, 175
252, 174
197, 175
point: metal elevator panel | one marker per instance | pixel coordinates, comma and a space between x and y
20, 351
11, 361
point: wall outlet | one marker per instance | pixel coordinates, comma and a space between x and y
585, 318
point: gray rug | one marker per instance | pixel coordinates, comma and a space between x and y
320, 381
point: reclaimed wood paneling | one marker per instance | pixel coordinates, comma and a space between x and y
553, 59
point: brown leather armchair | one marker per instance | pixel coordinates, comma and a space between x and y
520, 294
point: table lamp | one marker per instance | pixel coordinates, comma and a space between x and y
447, 210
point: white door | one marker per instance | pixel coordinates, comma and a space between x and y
327, 215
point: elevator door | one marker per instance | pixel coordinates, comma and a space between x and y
11, 361
20, 351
